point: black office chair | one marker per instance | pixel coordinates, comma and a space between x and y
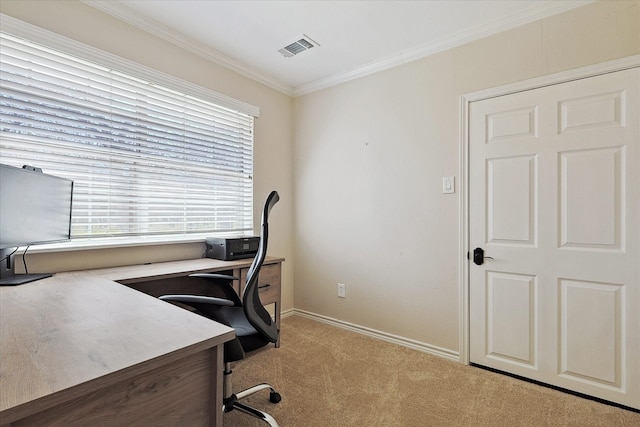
253, 325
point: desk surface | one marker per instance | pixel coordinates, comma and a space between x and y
70, 334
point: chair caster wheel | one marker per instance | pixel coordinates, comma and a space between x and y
274, 397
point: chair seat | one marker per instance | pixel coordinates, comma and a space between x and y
249, 337
235, 318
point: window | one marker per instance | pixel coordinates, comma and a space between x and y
147, 159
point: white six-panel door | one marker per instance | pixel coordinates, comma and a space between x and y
554, 199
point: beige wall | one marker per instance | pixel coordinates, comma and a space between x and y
273, 141
369, 159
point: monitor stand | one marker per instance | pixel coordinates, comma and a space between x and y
7, 272
20, 279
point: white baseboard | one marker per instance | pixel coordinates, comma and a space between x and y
287, 313
394, 339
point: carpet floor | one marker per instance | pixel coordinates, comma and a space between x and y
331, 377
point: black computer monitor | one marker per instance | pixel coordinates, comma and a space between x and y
35, 209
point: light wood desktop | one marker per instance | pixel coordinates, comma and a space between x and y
80, 348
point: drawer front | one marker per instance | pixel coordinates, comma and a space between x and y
269, 275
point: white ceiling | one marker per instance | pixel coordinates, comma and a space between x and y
356, 37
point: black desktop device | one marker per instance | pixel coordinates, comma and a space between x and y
230, 248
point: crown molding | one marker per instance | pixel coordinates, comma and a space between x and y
123, 13
543, 10
537, 13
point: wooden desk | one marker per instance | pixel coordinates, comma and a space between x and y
81, 349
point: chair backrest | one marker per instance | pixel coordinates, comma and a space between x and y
253, 308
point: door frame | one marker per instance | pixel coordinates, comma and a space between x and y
465, 101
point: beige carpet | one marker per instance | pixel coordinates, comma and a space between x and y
331, 377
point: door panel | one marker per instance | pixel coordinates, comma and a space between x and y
554, 201
600, 110
591, 219
590, 340
511, 323
511, 200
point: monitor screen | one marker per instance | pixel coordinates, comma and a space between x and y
35, 208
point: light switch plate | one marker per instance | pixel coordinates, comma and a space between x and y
448, 185
342, 290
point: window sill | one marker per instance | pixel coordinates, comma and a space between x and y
120, 242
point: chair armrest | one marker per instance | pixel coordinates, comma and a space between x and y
198, 300
213, 276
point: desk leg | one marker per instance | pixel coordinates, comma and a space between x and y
217, 392
236, 283
277, 310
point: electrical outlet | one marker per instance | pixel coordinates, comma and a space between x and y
342, 290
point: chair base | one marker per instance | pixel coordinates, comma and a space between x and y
231, 401
255, 413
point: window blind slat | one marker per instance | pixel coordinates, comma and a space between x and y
145, 159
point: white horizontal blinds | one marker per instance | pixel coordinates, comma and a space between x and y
145, 159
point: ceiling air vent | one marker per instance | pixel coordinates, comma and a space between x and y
303, 43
